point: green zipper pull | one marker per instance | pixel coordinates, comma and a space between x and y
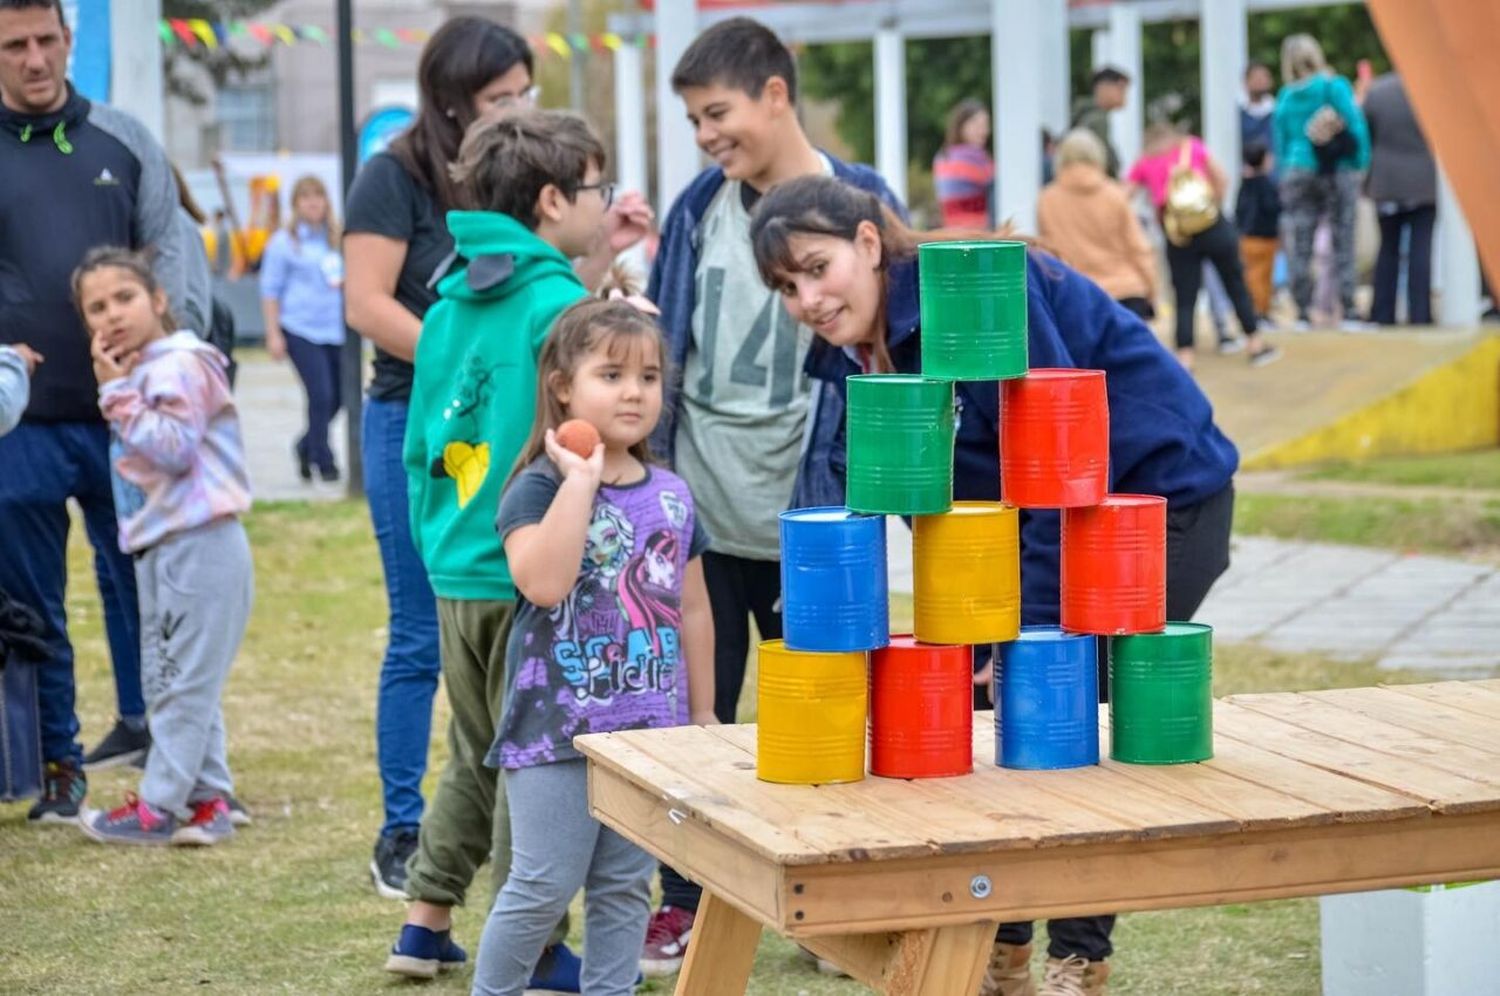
60, 139
26, 133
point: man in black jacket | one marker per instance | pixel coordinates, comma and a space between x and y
75, 175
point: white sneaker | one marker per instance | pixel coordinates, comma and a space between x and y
1356, 326
1302, 325
1228, 347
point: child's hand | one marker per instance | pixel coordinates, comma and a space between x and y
570, 464
29, 356
109, 363
628, 221
704, 717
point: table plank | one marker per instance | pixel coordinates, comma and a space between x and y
1467, 695
1390, 757
1441, 720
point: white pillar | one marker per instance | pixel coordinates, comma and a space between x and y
1057, 100
676, 154
630, 118
890, 108
1457, 263
135, 77
1124, 53
1016, 55
1223, 54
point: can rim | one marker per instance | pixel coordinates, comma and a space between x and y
899, 378
967, 245
1058, 373
1173, 628
1048, 634
824, 513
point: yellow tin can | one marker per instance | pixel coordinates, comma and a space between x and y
813, 708
967, 574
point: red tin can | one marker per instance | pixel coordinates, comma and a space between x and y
921, 709
1114, 566
1054, 439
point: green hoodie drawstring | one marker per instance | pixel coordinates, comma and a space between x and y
59, 137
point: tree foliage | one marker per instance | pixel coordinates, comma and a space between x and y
183, 66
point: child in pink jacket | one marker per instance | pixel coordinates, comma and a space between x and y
180, 488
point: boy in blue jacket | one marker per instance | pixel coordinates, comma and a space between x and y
733, 421
847, 266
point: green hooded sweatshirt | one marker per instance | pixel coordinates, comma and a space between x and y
474, 396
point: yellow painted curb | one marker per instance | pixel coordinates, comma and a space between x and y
1452, 407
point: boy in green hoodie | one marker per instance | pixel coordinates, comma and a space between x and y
535, 181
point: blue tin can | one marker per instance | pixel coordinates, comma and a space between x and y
833, 580
1047, 710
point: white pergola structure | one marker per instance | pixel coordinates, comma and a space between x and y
1029, 40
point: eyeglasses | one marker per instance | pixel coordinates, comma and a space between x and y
606, 191
527, 98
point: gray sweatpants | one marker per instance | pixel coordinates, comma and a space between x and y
556, 849
195, 591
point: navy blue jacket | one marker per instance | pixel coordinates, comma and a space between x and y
674, 277
1162, 437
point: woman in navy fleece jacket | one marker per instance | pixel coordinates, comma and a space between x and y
846, 267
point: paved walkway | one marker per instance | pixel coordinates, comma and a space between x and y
1430, 614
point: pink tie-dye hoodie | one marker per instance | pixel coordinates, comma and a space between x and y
178, 458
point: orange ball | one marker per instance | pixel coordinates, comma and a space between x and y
579, 436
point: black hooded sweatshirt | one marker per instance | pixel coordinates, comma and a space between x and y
83, 176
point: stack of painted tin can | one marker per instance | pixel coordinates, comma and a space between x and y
838, 672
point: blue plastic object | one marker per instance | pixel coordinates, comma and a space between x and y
1047, 711
833, 580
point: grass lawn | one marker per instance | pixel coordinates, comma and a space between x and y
1479, 469
1427, 525
287, 906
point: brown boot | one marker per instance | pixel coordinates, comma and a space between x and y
1074, 976
1009, 973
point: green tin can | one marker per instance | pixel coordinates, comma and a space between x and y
900, 444
1161, 703
973, 297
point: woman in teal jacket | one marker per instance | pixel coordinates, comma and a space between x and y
1322, 148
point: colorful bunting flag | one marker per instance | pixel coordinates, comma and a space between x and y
211, 35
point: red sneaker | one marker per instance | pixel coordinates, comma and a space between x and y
210, 824
667, 938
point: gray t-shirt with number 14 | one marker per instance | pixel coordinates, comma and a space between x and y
744, 400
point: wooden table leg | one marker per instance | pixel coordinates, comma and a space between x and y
959, 957
722, 950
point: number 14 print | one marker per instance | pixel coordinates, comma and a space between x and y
746, 368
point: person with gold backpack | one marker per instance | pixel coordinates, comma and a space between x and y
1186, 186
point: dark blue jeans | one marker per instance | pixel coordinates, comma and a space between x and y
409, 673
317, 366
42, 465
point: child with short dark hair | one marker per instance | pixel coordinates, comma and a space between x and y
178, 469
1257, 213
612, 632
533, 182
734, 421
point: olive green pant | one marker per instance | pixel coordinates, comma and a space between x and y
467, 820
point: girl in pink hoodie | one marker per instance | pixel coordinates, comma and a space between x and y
180, 487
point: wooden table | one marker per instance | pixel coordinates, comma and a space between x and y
901, 883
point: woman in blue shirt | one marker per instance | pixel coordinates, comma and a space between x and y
302, 299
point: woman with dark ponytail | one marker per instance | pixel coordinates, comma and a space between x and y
846, 267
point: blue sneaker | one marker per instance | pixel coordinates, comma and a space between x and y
136, 822
559, 970
419, 953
